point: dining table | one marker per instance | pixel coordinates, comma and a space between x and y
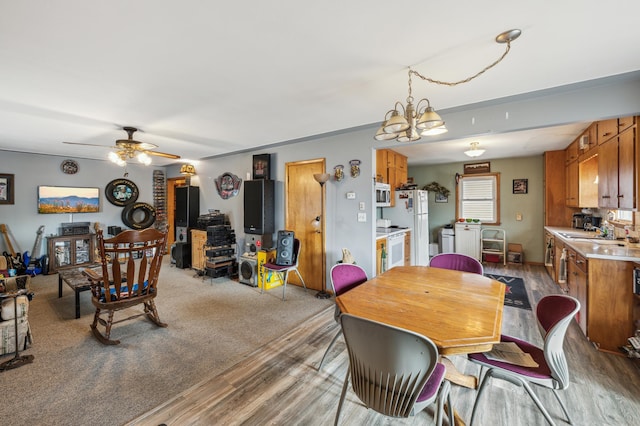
461, 312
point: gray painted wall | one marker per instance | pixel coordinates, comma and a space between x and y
581, 102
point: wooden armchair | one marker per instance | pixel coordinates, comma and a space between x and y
131, 264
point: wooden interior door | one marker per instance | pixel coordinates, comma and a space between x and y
171, 209
304, 200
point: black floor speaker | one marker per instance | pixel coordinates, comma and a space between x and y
181, 253
284, 249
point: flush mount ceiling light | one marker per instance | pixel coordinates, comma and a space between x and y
474, 151
408, 123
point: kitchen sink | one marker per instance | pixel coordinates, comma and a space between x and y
588, 237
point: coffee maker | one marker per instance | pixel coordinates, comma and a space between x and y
578, 220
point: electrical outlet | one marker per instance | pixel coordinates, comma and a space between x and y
351, 195
362, 217
361, 205
518, 216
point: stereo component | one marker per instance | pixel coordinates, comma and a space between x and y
284, 250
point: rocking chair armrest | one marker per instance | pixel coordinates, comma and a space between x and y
93, 276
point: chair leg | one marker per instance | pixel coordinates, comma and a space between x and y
483, 382
535, 398
104, 339
329, 348
284, 283
444, 393
564, 408
152, 313
344, 392
301, 280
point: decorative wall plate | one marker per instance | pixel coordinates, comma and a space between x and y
121, 192
228, 185
69, 167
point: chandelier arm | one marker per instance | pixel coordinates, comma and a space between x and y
466, 80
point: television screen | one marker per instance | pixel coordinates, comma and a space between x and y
63, 199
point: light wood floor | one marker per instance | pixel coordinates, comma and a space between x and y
280, 385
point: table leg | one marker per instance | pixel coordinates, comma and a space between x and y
59, 286
455, 376
77, 303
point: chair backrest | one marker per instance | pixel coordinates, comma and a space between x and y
554, 314
131, 263
458, 262
345, 276
389, 366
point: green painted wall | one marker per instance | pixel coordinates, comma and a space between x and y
529, 231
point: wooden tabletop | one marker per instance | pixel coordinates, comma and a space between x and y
461, 312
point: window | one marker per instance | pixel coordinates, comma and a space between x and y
478, 198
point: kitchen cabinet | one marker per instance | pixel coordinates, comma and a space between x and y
391, 168
588, 170
494, 245
617, 171
558, 267
572, 152
381, 243
70, 251
606, 130
572, 184
198, 241
577, 280
407, 248
555, 211
549, 254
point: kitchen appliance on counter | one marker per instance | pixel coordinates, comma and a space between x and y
383, 223
578, 220
412, 210
383, 194
590, 223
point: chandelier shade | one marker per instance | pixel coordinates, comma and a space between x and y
474, 151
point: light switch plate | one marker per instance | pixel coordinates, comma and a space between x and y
518, 216
362, 217
361, 205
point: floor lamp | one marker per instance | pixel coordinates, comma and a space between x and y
321, 178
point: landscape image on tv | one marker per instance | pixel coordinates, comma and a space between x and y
61, 199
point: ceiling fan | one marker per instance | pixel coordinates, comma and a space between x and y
130, 148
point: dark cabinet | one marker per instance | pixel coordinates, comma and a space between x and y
70, 251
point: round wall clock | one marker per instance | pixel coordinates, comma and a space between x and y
121, 192
69, 167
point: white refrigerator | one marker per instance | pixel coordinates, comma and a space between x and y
412, 210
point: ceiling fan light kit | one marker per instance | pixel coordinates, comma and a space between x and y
408, 123
129, 148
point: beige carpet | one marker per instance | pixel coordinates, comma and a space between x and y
74, 380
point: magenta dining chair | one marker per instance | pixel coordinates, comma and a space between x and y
458, 262
554, 314
344, 277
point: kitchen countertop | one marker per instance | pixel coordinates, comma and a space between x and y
598, 249
385, 232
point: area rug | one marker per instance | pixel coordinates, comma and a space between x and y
515, 293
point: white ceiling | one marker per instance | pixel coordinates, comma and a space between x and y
206, 78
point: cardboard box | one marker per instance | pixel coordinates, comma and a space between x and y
515, 253
268, 279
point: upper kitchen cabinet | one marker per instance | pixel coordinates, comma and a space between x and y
606, 130
572, 152
391, 167
572, 175
618, 173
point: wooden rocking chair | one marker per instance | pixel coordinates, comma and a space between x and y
131, 264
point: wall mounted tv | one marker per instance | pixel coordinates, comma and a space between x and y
65, 199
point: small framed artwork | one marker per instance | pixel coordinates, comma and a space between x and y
475, 168
6, 189
262, 166
520, 186
441, 198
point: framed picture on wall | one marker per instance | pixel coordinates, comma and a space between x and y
441, 198
520, 186
6, 189
262, 166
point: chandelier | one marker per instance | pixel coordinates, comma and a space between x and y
120, 157
474, 151
407, 123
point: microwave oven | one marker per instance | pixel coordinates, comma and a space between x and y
383, 194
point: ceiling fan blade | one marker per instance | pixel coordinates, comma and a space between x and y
138, 146
163, 154
90, 144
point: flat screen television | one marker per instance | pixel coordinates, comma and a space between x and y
66, 199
